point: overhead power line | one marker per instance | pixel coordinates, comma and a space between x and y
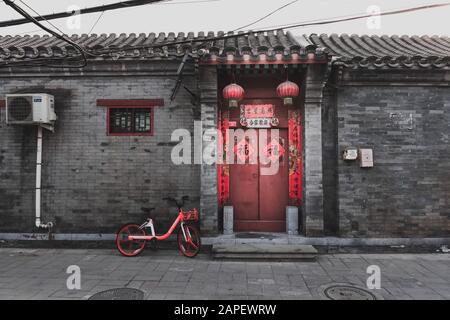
267, 15
96, 21
288, 26
38, 16
65, 14
107, 51
355, 17
57, 35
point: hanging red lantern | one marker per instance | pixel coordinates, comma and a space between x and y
288, 90
233, 93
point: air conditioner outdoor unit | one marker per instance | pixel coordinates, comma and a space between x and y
32, 108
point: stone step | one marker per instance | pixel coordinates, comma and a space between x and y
253, 251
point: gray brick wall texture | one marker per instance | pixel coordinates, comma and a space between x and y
208, 184
407, 192
329, 162
92, 182
313, 205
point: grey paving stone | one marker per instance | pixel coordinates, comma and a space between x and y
40, 274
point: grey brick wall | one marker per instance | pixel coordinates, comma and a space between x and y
405, 118
209, 111
313, 205
93, 182
329, 162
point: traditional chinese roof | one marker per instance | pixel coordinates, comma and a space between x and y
387, 51
269, 44
258, 47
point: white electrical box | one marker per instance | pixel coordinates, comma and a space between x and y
32, 108
366, 158
350, 154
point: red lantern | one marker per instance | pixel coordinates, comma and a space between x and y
233, 93
288, 90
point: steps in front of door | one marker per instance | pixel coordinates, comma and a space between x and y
262, 251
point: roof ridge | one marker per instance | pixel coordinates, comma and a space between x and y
349, 48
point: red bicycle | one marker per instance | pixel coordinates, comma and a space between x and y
131, 238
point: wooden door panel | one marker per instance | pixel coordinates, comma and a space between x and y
259, 201
244, 191
273, 191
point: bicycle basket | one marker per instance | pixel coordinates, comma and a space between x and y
190, 215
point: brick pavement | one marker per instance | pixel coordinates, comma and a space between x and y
165, 274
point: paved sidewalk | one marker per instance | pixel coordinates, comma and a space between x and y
165, 274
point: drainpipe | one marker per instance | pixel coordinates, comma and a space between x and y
39, 223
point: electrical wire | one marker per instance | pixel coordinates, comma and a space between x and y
294, 25
353, 17
107, 51
57, 35
38, 15
95, 23
266, 16
107, 7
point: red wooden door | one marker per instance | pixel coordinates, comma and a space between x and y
274, 188
259, 192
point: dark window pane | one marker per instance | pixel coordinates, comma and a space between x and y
142, 120
130, 120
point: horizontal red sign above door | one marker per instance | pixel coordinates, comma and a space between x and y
258, 110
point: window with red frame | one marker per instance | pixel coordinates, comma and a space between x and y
130, 121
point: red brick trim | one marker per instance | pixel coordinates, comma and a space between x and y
130, 102
2, 103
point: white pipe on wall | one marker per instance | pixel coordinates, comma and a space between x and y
39, 224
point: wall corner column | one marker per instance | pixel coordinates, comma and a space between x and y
313, 210
209, 209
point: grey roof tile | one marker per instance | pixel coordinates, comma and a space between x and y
351, 50
387, 51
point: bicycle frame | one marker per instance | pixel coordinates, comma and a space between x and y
149, 224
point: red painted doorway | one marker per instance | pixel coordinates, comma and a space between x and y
259, 200
259, 195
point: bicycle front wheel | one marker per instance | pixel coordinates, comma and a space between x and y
126, 247
189, 246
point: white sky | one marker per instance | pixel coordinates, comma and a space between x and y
230, 14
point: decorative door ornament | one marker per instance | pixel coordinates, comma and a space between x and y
223, 169
274, 150
295, 157
243, 150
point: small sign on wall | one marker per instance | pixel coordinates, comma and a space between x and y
258, 123
258, 116
366, 158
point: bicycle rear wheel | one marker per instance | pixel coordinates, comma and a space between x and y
191, 247
126, 247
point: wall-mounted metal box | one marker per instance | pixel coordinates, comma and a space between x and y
350, 154
366, 158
